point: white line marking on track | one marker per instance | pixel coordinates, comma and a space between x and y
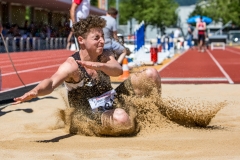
34, 62
29, 70
220, 67
11, 89
41, 58
195, 79
232, 51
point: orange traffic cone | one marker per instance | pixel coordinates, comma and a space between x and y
125, 69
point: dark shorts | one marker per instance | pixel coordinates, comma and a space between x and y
91, 124
201, 37
124, 89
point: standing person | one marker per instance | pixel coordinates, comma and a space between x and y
176, 33
79, 10
176, 39
190, 35
195, 37
206, 43
86, 75
110, 35
201, 27
1, 28
69, 40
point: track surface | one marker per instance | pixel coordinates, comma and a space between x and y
32, 67
212, 66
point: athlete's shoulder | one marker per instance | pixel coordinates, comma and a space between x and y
107, 52
105, 56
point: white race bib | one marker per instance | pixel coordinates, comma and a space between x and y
102, 102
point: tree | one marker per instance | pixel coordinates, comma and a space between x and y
224, 11
94, 3
153, 12
186, 2
219, 10
197, 11
111, 3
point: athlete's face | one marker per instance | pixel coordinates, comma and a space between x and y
94, 41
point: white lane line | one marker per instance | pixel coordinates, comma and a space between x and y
221, 69
30, 70
172, 61
42, 58
11, 89
232, 51
219, 79
32, 62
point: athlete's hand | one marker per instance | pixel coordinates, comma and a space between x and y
90, 65
26, 97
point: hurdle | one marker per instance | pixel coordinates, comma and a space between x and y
217, 45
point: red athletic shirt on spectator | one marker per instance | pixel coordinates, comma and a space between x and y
77, 1
201, 25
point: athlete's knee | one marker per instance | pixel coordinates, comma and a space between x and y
120, 117
152, 74
145, 81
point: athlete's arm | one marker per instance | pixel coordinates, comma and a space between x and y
111, 67
48, 85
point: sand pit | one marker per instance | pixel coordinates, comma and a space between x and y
33, 130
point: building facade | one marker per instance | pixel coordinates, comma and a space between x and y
52, 12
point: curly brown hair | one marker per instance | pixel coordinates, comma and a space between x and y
82, 28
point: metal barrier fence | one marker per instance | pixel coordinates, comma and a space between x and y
20, 44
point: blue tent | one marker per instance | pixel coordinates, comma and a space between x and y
194, 19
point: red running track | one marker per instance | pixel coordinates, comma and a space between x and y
212, 66
217, 66
32, 67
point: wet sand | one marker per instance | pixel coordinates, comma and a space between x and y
33, 130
